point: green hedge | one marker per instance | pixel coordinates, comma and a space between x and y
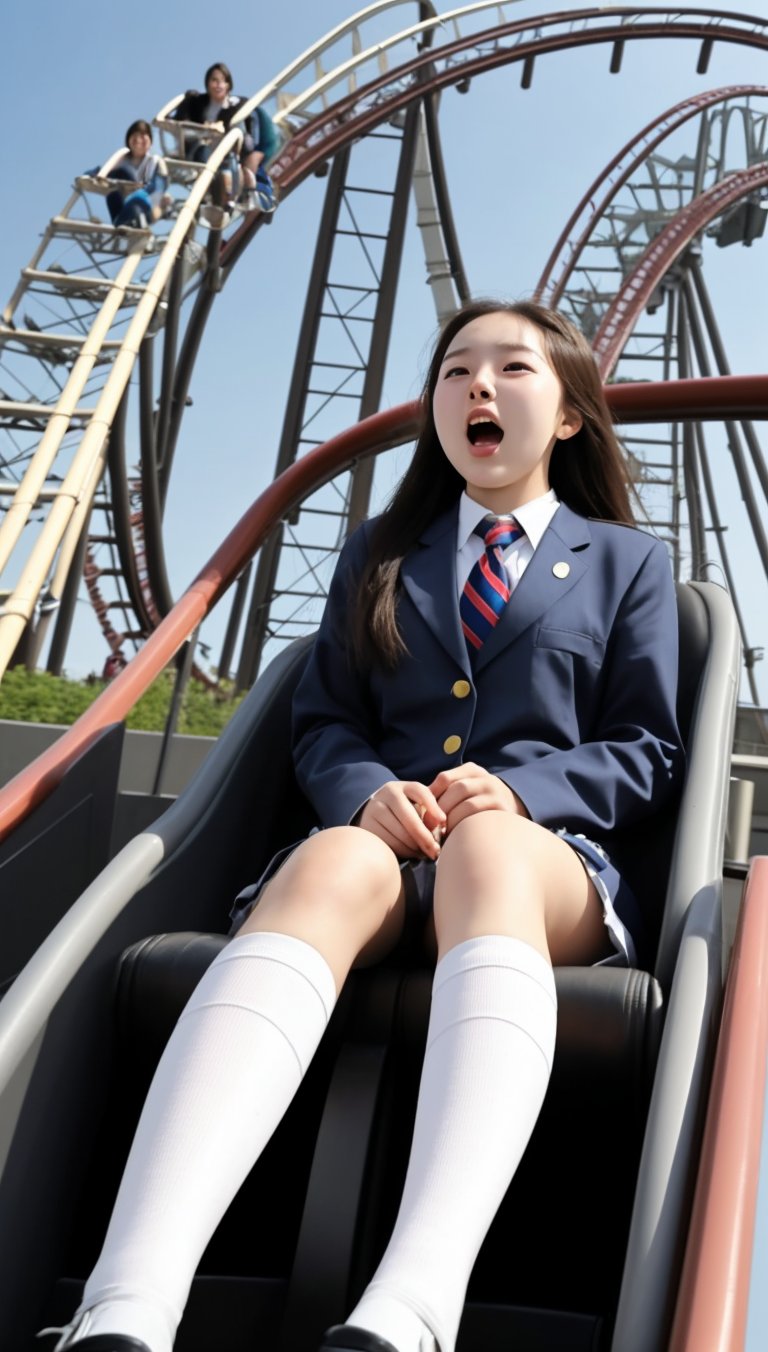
38, 697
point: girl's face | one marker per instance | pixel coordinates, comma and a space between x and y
218, 85
138, 144
498, 410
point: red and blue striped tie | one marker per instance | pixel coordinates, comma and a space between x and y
486, 590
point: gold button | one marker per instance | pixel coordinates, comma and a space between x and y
451, 744
461, 689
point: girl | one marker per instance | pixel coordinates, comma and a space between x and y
488, 706
218, 106
142, 198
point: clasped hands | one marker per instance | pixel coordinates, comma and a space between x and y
413, 818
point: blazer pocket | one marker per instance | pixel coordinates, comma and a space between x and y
572, 641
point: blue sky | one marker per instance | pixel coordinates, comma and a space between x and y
517, 163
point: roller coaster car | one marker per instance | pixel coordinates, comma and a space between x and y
586, 1250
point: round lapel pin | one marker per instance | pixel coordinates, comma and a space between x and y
561, 569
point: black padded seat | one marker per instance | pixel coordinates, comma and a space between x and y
609, 1019
155, 979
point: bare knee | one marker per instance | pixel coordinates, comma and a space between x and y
494, 849
354, 865
489, 881
342, 878
508, 875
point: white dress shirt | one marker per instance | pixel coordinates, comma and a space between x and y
534, 518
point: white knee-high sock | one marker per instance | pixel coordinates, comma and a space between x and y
231, 1067
486, 1069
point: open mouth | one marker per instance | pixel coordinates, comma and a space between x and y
484, 433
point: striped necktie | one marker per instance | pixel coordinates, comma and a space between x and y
486, 590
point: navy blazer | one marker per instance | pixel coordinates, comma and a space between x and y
571, 700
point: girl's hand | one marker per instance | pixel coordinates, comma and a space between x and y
467, 789
405, 815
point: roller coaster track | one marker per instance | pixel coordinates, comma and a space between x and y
82, 352
568, 251
633, 245
318, 122
637, 289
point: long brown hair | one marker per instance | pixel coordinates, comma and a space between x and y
588, 471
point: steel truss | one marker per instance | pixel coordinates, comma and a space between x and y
340, 362
628, 269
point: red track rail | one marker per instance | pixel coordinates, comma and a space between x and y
713, 1298
644, 143
370, 105
637, 289
717, 397
436, 68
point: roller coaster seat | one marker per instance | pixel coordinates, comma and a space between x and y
345, 1142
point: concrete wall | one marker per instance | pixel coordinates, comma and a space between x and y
20, 743
749, 736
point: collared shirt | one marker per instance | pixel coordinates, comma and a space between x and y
534, 517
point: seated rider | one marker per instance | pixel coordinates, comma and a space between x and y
142, 197
503, 598
216, 108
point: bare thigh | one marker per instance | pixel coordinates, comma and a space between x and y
502, 874
340, 891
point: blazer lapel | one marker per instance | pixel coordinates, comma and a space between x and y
564, 542
428, 575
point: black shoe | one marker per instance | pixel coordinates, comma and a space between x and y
351, 1339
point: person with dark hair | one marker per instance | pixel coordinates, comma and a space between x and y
217, 107
142, 197
487, 713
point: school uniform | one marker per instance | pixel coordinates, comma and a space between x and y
570, 701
